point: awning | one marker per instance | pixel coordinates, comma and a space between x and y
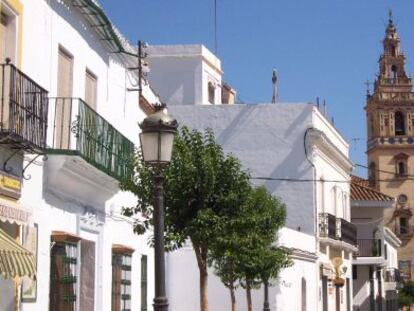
15, 260
12, 212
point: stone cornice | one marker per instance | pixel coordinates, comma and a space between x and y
319, 140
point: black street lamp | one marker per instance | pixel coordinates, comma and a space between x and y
157, 138
266, 305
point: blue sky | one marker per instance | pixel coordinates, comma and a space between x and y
320, 48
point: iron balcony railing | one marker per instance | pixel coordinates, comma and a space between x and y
75, 128
369, 248
24, 110
337, 228
392, 275
327, 225
348, 232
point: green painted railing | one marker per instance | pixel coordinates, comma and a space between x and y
78, 129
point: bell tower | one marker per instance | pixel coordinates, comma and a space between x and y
390, 149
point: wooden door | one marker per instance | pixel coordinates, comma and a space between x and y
3, 25
64, 101
90, 89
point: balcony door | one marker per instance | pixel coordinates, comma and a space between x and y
3, 25
90, 89
63, 102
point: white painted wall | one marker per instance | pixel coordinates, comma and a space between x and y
269, 141
181, 73
46, 25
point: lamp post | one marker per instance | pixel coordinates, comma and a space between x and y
266, 305
157, 138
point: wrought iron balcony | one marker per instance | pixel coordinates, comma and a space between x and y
392, 275
327, 225
369, 248
337, 228
24, 110
76, 129
348, 232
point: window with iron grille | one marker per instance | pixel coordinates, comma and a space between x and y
121, 282
144, 284
63, 276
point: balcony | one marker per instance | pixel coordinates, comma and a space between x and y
392, 275
336, 228
24, 110
327, 225
348, 231
369, 248
76, 129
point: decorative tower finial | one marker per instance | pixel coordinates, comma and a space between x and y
274, 81
390, 16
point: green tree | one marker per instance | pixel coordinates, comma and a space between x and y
202, 186
244, 254
406, 294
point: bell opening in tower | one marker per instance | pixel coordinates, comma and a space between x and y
399, 124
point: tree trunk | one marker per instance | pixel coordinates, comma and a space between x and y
201, 255
231, 287
233, 299
249, 295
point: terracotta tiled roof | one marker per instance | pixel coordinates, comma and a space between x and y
360, 191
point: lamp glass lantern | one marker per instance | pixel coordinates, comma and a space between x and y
157, 137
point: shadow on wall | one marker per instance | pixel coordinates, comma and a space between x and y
76, 20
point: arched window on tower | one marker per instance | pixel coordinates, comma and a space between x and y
401, 168
393, 50
372, 176
399, 123
394, 72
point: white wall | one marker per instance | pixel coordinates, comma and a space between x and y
181, 73
46, 25
268, 139
183, 278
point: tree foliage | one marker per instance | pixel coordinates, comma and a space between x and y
245, 253
203, 188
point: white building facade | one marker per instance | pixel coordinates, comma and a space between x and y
64, 97
288, 148
375, 268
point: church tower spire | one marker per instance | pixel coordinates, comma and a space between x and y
392, 76
390, 148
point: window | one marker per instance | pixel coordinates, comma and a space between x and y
211, 93
144, 284
63, 272
90, 89
404, 226
121, 278
8, 37
405, 269
385, 251
399, 123
402, 199
354, 272
63, 105
394, 72
3, 29
401, 164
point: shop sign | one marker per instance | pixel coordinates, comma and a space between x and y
12, 212
10, 185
